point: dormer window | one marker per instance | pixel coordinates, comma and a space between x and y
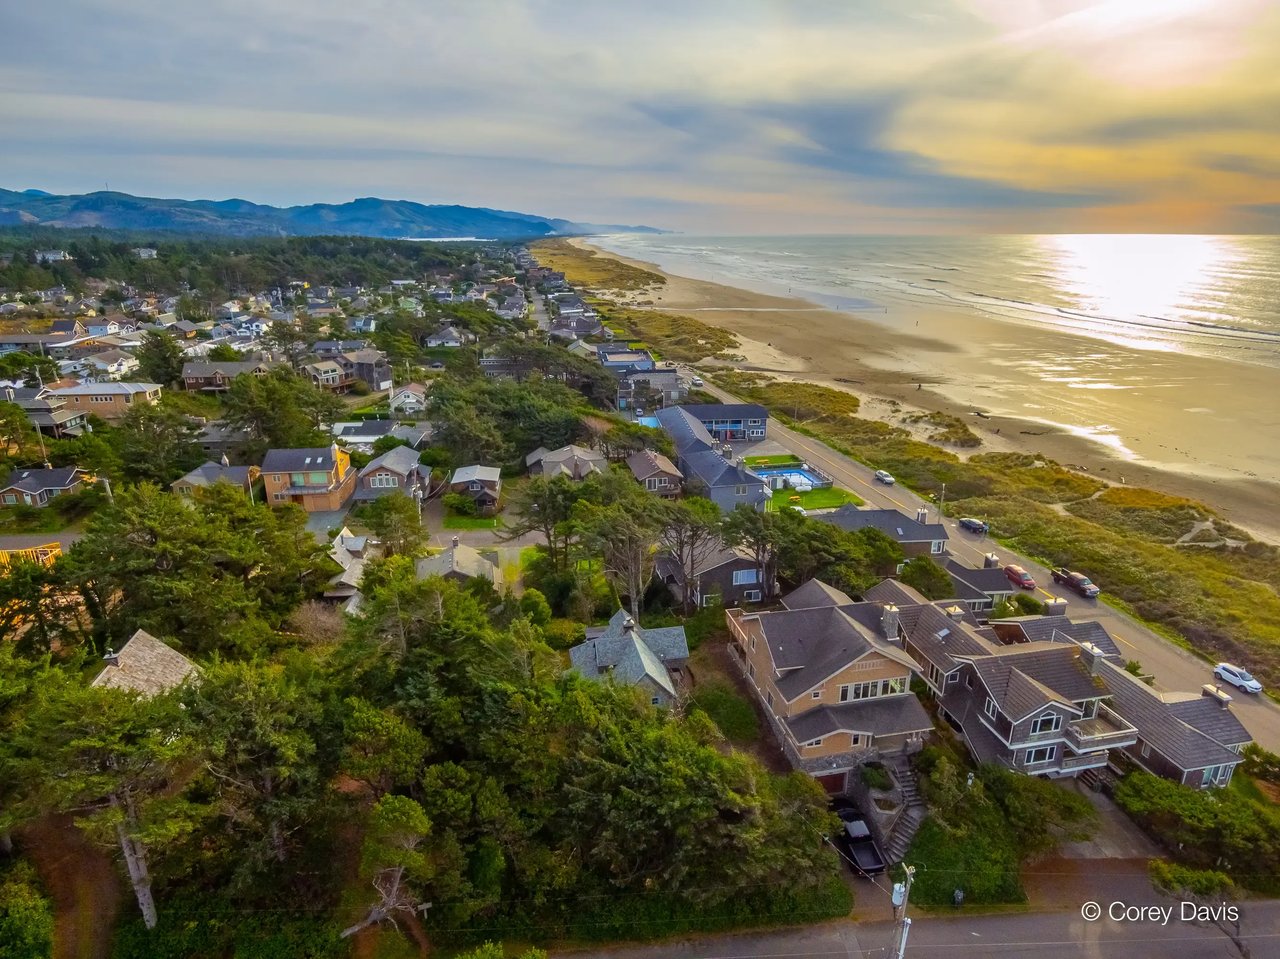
989, 707
1047, 723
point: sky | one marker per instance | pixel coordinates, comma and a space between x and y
743, 116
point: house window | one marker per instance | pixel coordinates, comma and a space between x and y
740, 490
952, 678
844, 694
10, 498
297, 479
1217, 775
1048, 723
892, 687
280, 497
856, 691
474, 486
1041, 754
751, 670
989, 707
855, 739
1146, 750
934, 675
814, 742
319, 479
816, 694
752, 596
753, 422
655, 701
742, 577
935, 546
709, 599
384, 481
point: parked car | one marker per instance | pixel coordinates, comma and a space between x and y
1079, 582
973, 525
1019, 577
1238, 677
855, 841
885, 477
696, 381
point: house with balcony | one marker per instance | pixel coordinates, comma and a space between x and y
1040, 708
834, 680
318, 479
727, 483
731, 422
110, 401
48, 413
648, 389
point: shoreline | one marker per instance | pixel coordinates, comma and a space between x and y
779, 336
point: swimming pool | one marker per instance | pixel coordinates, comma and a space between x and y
793, 476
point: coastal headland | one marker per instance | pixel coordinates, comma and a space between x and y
939, 362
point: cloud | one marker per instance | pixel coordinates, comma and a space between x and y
723, 115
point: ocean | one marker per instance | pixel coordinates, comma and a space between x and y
1216, 296
1160, 351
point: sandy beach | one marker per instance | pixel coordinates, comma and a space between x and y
1023, 380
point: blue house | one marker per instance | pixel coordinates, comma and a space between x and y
731, 422
725, 482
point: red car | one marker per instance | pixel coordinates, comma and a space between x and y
1019, 577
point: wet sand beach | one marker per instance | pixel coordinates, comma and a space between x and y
1185, 425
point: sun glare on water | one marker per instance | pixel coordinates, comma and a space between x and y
1136, 277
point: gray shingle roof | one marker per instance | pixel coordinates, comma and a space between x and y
940, 639
646, 463
398, 459
882, 716
484, 474
1025, 677
38, 480
686, 431
897, 526
893, 591
726, 411
287, 461
209, 473
815, 594
147, 666
631, 654
1177, 725
1058, 629
459, 560
983, 582
574, 462
810, 645
230, 369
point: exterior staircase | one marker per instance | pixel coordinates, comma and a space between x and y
913, 812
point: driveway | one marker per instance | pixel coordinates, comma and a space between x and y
1174, 668
319, 524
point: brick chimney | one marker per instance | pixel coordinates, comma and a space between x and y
1091, 656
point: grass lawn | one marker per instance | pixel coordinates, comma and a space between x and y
730, 711
778, 459
43, 520
452, 521
828, 498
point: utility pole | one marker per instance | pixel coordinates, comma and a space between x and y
942, 501
901, 893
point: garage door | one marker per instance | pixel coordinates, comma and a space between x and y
832, 783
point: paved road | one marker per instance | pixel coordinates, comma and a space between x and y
1173, 667
1062, 935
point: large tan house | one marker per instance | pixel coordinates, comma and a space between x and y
318, 479
834, 680
109, 401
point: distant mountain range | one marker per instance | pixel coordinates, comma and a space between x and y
368, 216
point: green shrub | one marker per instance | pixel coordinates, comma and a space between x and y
732, 713
534, 605
460, 504
875, 776
26, 916
563, 633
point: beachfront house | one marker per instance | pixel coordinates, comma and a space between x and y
732, 422
917, 537
707, 471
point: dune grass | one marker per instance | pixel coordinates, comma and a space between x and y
589, 269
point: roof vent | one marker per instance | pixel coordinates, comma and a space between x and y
112, 658
628, 624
